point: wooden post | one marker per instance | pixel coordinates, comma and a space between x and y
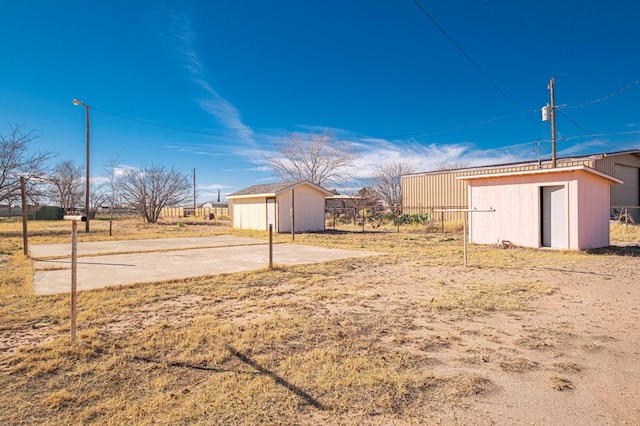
195, 205
466, 214
293, 216
333, 209
74, 269
464, 227
74, 277
23, 191
270, 246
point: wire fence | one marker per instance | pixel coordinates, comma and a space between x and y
200, 212
371, 217
628, 215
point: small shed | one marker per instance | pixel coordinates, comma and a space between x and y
259, 206
563, 208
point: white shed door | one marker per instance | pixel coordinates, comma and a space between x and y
554, 216
271, 213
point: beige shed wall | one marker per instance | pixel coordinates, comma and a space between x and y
309, 210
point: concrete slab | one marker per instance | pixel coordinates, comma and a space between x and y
226, 255
127, 246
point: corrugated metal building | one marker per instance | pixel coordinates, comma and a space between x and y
423, 192
259, 206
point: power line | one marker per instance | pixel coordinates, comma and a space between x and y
164, 126
472, 62
604, 98
271, 139
588, 132
460, 127
521, 144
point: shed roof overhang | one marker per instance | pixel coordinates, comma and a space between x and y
274, 190
557, 170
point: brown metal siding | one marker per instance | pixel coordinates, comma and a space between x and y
625, 160
423, 192
611, 165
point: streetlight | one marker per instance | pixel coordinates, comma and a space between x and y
86, 202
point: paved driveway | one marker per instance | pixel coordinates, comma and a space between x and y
102, 264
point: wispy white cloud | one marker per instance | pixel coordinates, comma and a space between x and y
197, 149
373, 152
260, 169
180, 38
211, 187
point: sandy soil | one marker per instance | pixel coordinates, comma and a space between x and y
572, 358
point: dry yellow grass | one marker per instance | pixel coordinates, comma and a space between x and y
295, 345
622, 233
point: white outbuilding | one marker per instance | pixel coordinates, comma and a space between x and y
282, 205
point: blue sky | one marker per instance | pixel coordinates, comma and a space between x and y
221, 80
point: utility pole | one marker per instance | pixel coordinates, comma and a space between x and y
553, 122
23, 194
194, 192
87, 206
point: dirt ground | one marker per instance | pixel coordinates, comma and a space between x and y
571, 357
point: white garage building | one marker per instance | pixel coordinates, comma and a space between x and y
259, 206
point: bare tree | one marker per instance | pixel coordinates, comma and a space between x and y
112, 169
152, 188
65, 185
97, 196
320, 159
365, 197
452, 166
16, 161
388, 183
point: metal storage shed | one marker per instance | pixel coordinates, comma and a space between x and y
564, 208
259, 206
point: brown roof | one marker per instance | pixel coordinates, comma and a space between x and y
272, 188
267, 188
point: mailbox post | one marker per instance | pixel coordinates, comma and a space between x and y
74, 269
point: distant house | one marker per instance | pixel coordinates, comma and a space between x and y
562, 207
215, 205
259, 206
